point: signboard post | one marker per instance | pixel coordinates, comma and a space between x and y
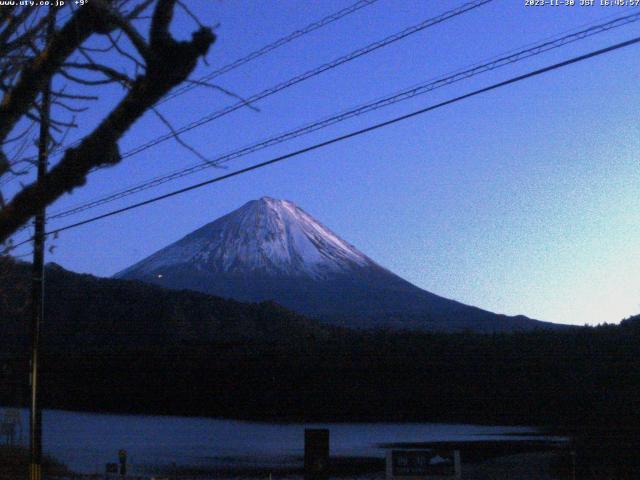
122, 457
316, 453
423, 464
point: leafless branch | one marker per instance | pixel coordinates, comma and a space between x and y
108, 72
179, 140
225, 91
167, 63
190, 13
121, 51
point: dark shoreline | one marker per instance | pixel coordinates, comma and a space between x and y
14, 461
481, 450
472, 452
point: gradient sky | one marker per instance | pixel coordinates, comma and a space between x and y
520, 201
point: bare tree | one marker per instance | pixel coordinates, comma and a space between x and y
147, 66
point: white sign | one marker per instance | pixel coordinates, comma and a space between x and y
423, 464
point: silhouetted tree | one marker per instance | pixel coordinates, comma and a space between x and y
147, 66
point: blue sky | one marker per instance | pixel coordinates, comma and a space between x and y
521, 201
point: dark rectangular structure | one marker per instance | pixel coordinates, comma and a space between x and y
316, 453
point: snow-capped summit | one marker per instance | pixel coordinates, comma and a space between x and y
266, 236
271, 249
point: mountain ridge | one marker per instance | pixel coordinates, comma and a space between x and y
102, 314
275, 236
271, 249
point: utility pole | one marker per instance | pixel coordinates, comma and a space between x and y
37, 283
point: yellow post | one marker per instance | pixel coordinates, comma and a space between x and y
35, 471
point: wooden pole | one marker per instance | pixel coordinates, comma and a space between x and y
37, 283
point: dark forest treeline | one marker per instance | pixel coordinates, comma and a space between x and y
584, 382
130, 347
111, 345
586, 376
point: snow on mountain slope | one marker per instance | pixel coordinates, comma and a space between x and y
270, 249
267, 235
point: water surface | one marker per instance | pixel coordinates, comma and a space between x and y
87, 441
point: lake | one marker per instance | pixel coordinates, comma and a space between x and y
87, 441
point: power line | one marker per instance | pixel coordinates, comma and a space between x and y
303, 77
386, 101
270, 47
312, 73
253, 55
24, 255
356, 133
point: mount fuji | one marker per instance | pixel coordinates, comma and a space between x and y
271, 249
